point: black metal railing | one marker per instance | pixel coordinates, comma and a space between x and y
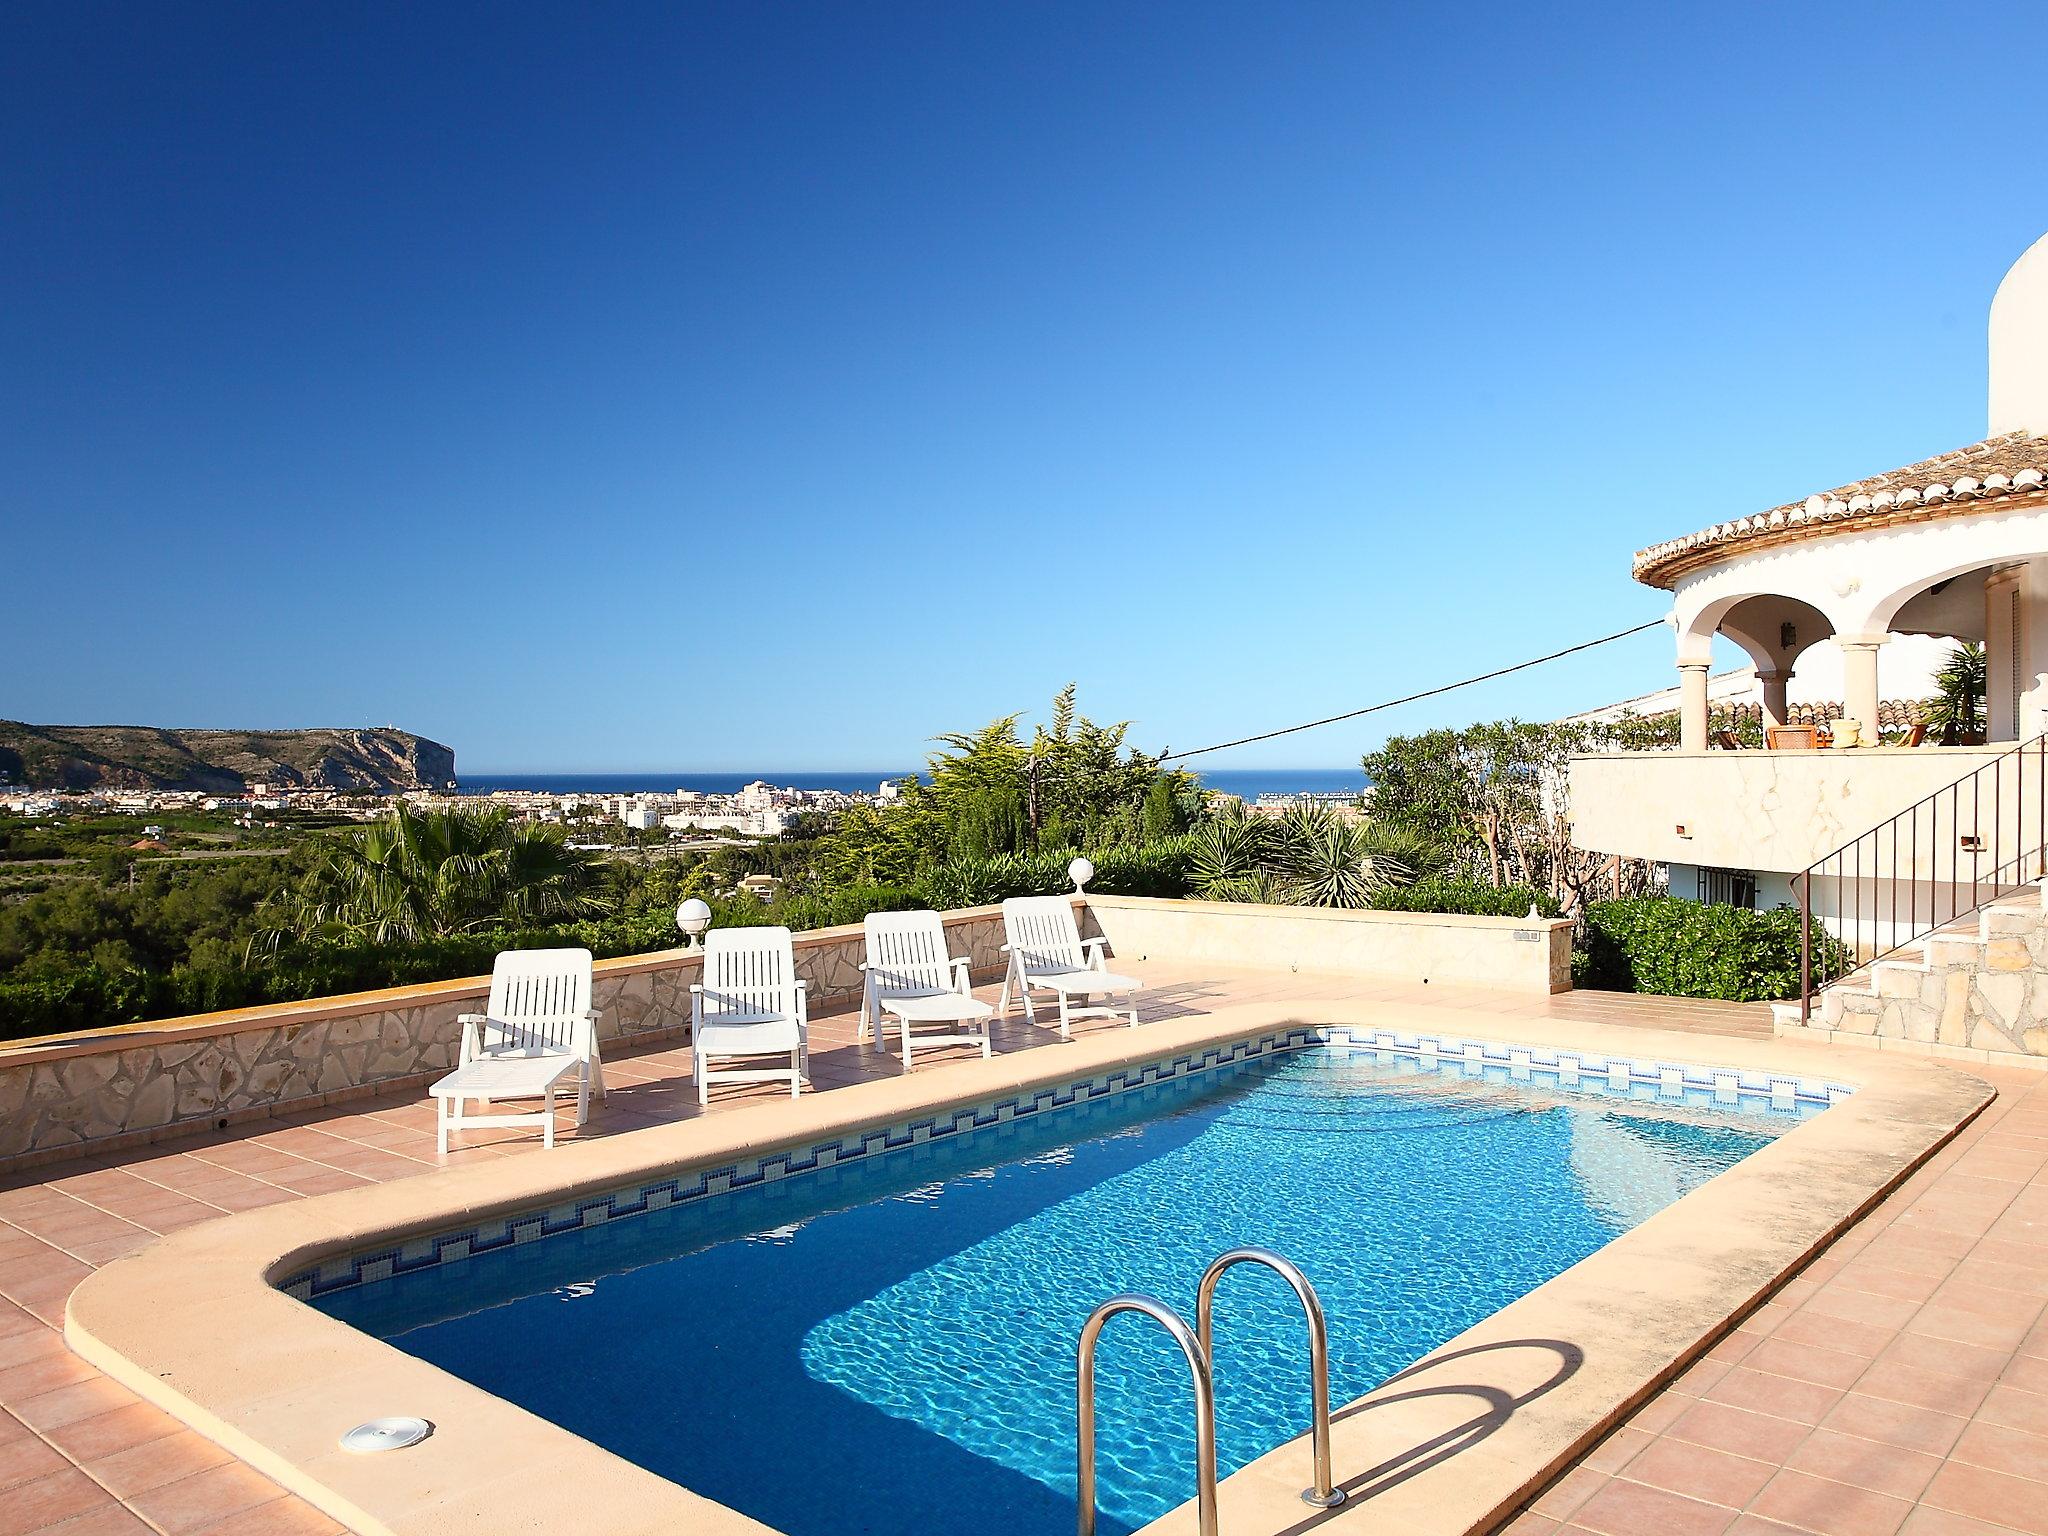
1938, 860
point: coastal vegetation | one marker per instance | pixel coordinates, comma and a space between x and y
1472, 820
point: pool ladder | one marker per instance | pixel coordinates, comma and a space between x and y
1197, 1346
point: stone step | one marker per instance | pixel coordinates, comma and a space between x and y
1942, 950
1899, 978
2001, 920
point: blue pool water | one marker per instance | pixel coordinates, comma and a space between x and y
888, 1345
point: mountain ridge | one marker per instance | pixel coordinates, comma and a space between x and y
84, 757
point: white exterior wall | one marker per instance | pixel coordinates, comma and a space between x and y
2019, 345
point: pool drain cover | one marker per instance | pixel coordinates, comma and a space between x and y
391, 1434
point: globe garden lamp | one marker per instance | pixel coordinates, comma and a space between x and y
693, 917
1080, 872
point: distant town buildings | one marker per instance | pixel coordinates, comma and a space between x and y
759, 809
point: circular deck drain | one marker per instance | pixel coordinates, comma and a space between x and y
389, 1434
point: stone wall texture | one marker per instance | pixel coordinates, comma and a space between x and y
139, 1082
1977, 991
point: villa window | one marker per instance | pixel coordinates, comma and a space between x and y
1728, 887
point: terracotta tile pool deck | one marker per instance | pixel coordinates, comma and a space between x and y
1899, 1382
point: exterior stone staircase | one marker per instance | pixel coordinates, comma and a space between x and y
1976, 990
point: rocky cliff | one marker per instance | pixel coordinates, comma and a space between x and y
218, 762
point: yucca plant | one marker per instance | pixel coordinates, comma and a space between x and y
1333, 862
1226, 850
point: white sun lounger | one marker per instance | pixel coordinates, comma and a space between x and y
910, 976
1048, 954
508, 1077
749, 1003
538, 1029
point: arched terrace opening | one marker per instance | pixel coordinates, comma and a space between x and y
1772, 628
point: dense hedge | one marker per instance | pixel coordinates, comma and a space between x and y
1472, 897
1679, 948
1151, 869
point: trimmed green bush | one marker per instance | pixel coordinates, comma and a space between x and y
1679, 948
1471, 897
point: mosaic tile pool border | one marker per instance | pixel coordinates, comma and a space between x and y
1725, 1085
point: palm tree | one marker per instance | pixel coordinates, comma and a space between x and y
429, 874
1957, 708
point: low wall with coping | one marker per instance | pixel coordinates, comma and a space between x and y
136, 1083
1510, 954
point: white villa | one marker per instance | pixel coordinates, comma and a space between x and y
1892, 840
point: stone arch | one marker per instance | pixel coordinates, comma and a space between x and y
1755, 621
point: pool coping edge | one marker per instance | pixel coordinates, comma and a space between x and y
279, 1386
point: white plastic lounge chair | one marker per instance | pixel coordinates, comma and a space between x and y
1047, 953
538, 1030
749, 1003
909, 975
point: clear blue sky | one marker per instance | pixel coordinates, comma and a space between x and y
667, 386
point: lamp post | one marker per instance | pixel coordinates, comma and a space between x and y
1080, 872
693, 917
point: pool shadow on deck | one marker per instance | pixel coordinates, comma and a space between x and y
1497, 1407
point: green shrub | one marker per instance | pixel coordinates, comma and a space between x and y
1159, 868
1471, 897
1148, 869
1679, 948
979, 882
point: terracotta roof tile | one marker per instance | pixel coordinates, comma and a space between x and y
2014, 464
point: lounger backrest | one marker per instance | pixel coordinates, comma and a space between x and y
1040, 931
907, 953
749, 973
538, 997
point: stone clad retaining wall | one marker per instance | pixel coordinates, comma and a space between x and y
141, 1082
138, 1082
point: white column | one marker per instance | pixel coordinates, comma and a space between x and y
2003, 680
2032, 649
1775, 706
1692, 706
1859, 680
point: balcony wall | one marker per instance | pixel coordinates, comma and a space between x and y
1782, 811
137, 1083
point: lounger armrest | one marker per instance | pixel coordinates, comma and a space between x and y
962, 969
1093, 948
696, 989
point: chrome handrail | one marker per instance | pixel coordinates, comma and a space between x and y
1205, 1406
1325, 1494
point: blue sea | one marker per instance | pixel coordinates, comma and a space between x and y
1248, 782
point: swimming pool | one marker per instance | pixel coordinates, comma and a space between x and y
886, 1339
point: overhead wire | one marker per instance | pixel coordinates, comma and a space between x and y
1427, 693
